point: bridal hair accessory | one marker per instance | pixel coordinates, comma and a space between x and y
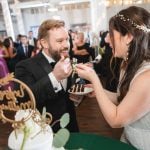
140, 27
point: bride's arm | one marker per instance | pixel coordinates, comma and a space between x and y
135, 104
112, 96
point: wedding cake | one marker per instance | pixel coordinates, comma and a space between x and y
37, 137
32, 130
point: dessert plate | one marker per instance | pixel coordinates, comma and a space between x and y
86, 91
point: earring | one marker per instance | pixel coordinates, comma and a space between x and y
126, 58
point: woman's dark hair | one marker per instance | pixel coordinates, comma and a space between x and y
6, 43
139, 47
1, 43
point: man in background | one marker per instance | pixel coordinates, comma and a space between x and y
24, 50
32, 39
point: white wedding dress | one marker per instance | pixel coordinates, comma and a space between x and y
138, 132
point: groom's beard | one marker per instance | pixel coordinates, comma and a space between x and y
56, 54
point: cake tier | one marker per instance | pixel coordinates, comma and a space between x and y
42, 141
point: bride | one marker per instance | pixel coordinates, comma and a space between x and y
129, 37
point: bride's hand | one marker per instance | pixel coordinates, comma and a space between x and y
85, 72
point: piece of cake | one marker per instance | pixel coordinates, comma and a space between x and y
39, 137
77, 88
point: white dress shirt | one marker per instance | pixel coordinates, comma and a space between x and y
24, 48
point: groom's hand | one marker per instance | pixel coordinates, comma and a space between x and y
62, 69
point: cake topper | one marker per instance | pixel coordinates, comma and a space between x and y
9, 101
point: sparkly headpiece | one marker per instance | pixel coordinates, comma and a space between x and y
140, 27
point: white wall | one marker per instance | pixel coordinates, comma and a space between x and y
70, 17
34, 17
75, 16
2, 24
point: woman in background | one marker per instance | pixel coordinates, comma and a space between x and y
38, 48
3, 65
81, 50
11, 60
130, 106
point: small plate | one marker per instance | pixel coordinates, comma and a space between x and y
86, 91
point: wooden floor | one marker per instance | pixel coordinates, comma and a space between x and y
89, 118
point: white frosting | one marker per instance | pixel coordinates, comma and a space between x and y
37, 140
42, 141
30, 124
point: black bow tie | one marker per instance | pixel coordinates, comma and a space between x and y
53, 64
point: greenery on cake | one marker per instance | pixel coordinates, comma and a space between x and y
60, 138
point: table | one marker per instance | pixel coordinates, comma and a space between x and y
86, 141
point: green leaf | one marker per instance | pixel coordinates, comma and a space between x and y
44, 113
26, 135
64, 120
61, 138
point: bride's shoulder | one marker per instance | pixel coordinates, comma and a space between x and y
141, 80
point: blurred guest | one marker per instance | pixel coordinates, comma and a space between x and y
3, 65
18, 40
24, 50
3, 54
32, 39
38, 48
11, 59
81, 50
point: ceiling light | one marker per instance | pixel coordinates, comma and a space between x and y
31, 4
72, 2
53, 9
56, 17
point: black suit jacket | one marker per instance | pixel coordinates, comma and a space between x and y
34, 72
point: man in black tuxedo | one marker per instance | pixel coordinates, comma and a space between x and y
50, 83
